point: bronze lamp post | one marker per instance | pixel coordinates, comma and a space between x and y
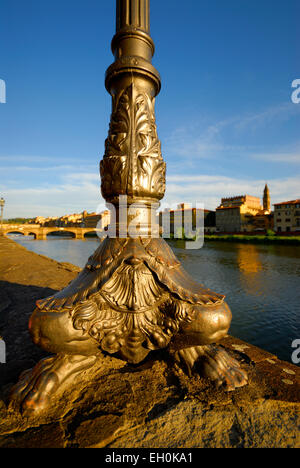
133, 296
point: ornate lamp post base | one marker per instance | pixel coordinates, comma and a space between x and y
133, 296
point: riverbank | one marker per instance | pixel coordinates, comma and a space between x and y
154, 404
255, 239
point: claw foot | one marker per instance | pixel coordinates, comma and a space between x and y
214, 363
37, 386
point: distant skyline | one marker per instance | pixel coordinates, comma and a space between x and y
225, 115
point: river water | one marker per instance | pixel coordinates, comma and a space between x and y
261, 282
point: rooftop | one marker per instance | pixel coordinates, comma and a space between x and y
291, 202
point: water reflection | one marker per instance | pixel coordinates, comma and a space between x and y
250, 265
248, 259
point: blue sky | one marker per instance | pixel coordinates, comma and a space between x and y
225, 116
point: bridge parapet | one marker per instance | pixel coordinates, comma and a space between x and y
41, 233
21, 227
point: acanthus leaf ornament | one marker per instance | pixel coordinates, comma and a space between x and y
133, 163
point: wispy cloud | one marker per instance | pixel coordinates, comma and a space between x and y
74, 187
80, 192
60, 169
82, 177
28, 158
209, 140
285, 157
69, 192
265, 117
210, 189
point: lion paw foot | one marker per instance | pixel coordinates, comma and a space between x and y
214, 363
37, 386
225, 371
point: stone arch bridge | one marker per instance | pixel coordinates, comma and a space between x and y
41, 233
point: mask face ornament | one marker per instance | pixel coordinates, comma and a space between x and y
133, 296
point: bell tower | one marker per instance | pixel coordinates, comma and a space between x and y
267, 199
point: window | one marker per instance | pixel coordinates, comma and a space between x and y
278, 220
288, 229
279, 229
298, 221
287, 220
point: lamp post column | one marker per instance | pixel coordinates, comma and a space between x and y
2, 203
133, 170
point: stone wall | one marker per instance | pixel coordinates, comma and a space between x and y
153, 405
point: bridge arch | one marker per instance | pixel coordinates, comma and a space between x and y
14, 231
31, 234
60, 231
90, 231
